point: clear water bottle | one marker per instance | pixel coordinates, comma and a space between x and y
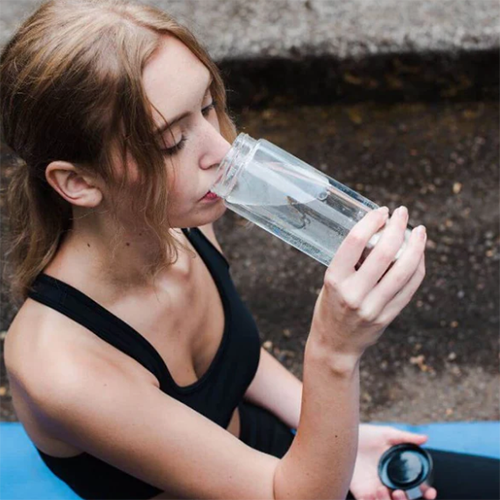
292, 200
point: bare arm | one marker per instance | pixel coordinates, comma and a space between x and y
352, 311
276, 389
118, 417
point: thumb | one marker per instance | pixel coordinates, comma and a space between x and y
408, 437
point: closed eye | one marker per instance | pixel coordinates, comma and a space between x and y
206, 110
177, 147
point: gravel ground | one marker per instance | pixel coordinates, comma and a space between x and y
441, 161
438, 361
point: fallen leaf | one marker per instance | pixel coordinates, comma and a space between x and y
355, 116
352, 79
267, 345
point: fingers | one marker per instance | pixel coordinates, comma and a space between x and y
430, 494
355, 242
399, 495
401, 300
407, 437
398, 275
381, 257
383, 493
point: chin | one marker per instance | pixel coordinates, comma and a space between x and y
207, 215
216, 212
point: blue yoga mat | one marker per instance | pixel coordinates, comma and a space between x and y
23, 475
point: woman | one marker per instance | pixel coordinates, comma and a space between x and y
120, 119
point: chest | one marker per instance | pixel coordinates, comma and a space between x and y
184, 322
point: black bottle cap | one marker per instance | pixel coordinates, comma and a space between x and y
405, 467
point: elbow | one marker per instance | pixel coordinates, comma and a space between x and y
293, 485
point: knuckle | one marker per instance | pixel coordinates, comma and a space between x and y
379, 323
366, 315
355, 238
385, 254
386, 319
350, 303
378, 217
330, 281
400, 279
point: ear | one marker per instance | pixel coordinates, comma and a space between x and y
75, 187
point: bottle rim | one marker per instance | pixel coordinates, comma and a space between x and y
233, 163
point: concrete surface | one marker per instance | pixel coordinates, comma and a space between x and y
239, 29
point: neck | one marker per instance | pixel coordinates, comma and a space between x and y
97, 254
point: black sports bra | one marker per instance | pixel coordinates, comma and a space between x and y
215, 395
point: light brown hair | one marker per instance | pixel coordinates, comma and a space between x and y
70, 90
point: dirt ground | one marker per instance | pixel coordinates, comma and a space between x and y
439, 359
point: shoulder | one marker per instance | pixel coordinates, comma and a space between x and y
42, 344
54, 366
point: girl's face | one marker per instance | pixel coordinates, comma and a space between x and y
177, 84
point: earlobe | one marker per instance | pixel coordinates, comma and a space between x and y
72, 185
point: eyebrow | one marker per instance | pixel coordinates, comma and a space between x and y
165, 126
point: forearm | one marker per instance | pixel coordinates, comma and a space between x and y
320, 461
276, 389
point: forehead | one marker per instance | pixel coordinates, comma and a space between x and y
173, 78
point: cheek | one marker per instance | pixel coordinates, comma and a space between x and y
180, 190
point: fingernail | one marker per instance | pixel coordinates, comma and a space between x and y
402, 211
421, 232
384, 210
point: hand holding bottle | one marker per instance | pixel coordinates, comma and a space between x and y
355, 306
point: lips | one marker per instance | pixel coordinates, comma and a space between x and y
212, 185
211, 196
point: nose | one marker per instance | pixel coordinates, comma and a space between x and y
216, 147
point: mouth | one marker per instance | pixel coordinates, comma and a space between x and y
209, 196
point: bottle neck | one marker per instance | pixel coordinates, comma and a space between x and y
232, 164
